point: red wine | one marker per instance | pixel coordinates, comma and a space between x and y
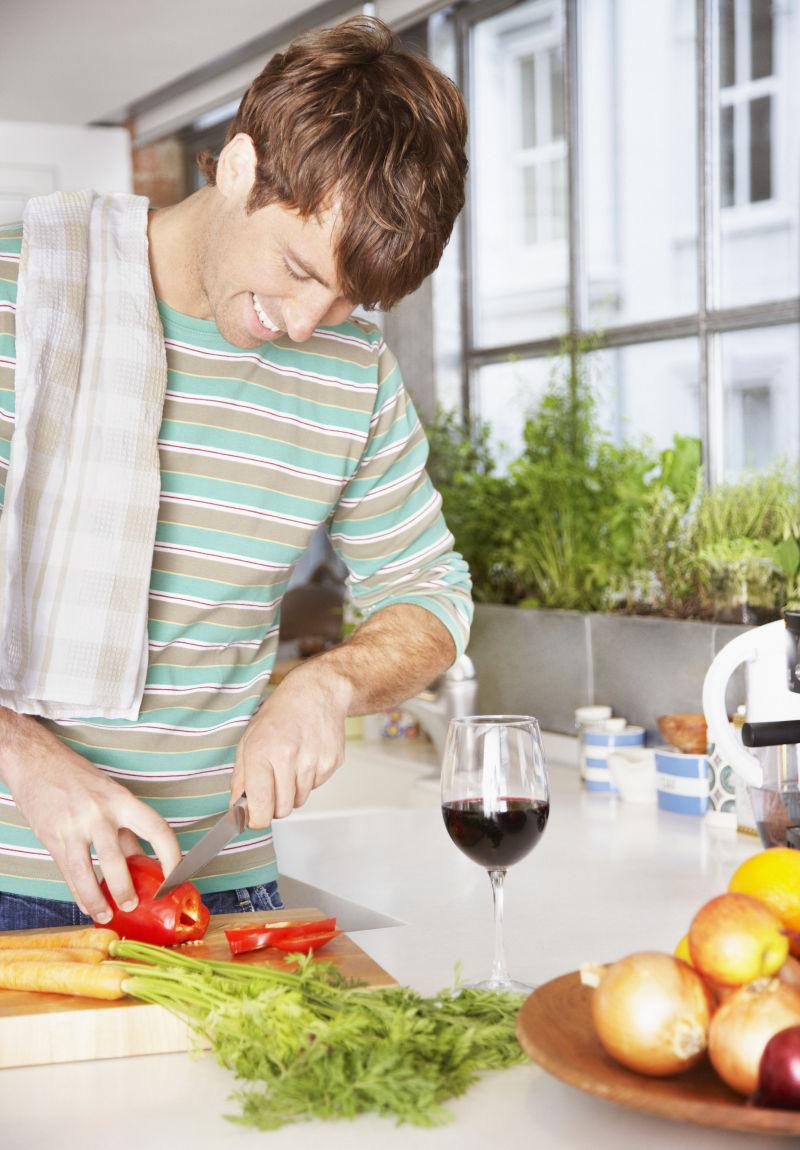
499, 836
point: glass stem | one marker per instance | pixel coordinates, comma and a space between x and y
499, 971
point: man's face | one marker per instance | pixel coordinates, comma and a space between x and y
270, 272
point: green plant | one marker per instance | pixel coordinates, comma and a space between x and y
734, 553
579, 502
582, 522
462, 468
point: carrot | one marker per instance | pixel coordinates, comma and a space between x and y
52, 954
95, 938
100, 980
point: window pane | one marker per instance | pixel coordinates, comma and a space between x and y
648, 390
529, 193
728, 175
559, 199
727, 43
558, 130
760, 370
527, 78
761, 38
639, 143
520, 259
760, 149
760, 225
505, 395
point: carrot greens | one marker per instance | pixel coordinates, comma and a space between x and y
307, 1043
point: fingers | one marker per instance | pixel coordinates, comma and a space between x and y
149, 825
237, 777
82, 881
261, 795
252, 773
114, 866
129, 842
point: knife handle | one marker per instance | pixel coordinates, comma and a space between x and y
241, 807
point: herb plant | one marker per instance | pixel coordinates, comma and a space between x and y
581, 522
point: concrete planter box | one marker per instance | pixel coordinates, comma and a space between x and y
547, 663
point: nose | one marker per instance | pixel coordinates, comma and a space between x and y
302, 317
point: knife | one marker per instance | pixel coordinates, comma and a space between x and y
208, 847
350, 916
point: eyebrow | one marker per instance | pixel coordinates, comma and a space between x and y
309, 271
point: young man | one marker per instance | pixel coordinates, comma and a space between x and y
338, 186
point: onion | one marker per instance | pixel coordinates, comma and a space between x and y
779, 1071
790, 972
651, 1012
743, 1026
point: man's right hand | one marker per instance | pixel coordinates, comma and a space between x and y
70, 804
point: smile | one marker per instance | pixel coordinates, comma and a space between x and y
263, 318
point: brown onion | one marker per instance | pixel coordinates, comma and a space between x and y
744, 1024
651, 1012
790, 972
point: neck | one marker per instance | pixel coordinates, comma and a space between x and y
178, 237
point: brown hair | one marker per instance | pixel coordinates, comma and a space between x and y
347, 113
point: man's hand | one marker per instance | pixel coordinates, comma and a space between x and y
293, 743
70, 804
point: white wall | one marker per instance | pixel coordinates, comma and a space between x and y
40, 158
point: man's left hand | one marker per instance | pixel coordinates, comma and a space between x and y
293, 743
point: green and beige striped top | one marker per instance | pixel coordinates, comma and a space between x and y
257, 448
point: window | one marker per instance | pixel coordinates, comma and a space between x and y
591, 212
519, 156
759, 157
760, 372
747, 88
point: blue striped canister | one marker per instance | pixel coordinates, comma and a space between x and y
597, 746
682, 782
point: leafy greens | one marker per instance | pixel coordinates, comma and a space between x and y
308, 1043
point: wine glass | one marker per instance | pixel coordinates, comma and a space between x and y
495, 805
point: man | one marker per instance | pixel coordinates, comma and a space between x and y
338, 185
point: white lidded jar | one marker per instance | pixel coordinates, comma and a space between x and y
592, 715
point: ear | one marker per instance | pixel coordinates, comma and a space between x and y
236, 167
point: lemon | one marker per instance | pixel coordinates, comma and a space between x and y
682, 950
773, 877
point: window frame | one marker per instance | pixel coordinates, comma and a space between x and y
710, 321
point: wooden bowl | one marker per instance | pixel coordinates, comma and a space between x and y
688, 733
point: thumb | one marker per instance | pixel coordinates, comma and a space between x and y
237, 777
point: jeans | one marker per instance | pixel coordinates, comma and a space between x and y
23, 912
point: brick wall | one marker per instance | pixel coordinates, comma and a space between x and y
159, 172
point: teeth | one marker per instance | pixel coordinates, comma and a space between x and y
262, 315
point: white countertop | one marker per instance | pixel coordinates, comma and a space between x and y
606, 879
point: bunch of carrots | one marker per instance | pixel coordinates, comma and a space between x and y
72, 962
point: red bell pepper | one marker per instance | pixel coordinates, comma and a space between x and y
242, 939
306, 942
179, 916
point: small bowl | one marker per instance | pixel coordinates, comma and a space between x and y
687, 732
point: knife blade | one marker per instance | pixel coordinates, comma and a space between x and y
350, 916
208, 847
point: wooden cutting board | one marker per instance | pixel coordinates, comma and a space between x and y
36, 1029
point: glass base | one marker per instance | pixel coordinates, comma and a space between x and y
505, 986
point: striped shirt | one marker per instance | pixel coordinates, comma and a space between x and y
257, 448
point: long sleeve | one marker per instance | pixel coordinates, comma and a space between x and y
388, 526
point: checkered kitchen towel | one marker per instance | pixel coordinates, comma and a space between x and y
82, 495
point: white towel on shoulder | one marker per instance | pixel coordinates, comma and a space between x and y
82, 494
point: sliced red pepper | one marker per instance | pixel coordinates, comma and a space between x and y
306, 942
179, 916
242, 939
